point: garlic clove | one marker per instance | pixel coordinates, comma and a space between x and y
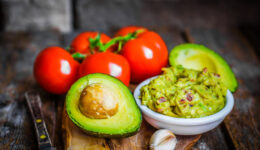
163, 139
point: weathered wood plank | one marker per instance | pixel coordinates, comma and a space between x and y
213, 139
74, 138
243, 123
17, 53
140, 141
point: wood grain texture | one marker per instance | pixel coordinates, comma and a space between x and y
75, 139
17, 53
213, 139
242, 124
140, 141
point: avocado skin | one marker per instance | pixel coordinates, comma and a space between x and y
197, 47
114, 136
99, 134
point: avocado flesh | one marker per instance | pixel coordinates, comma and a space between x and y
195, 56
124, 123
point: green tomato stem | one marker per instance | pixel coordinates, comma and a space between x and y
78, 56
121, 40
96, 42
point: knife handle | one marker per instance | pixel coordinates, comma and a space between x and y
34, 103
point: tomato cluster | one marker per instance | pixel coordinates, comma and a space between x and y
134, 53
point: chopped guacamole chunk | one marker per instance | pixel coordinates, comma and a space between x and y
185, 93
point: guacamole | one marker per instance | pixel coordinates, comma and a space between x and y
185, 93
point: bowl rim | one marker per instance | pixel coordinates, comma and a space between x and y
183, 121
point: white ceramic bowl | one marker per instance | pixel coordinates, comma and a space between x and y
183, 126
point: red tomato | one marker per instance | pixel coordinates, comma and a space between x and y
128, 29
107, 63
81, 42
55, 70
146, 54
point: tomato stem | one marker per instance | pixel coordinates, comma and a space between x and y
97, 43
120, 40
78, 56
119, 47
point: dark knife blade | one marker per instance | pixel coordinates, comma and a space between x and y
34, 103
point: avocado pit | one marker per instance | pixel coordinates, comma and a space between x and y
97, 101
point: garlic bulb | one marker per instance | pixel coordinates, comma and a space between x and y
163, 139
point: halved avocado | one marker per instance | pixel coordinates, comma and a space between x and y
103, 106
195, 56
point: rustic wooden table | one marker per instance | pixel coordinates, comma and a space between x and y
240, 130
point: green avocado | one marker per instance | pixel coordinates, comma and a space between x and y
195, 56
103, 106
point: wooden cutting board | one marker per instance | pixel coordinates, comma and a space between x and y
75, 139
